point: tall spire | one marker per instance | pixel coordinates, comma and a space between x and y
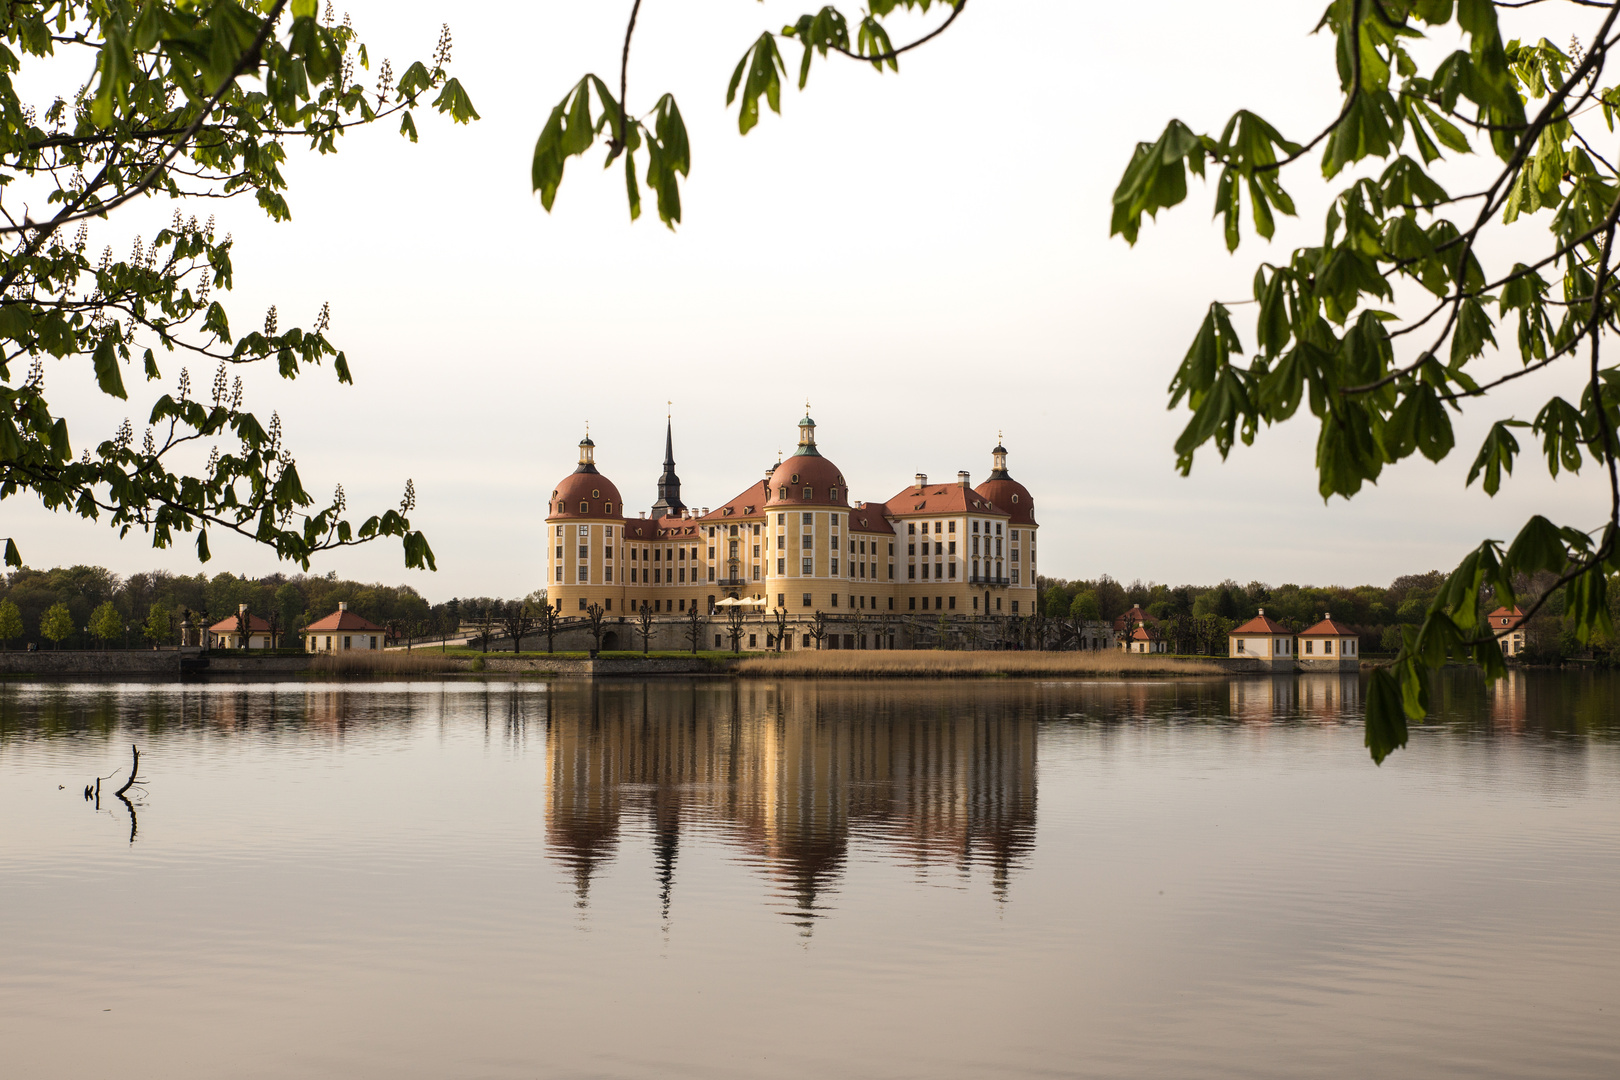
669, 485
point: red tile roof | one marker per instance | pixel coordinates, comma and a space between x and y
941, 499
256, 625
750, 505
1328, 628
343, 620
1262, 625
1505, 618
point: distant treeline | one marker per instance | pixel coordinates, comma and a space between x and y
1190, 615
89, 606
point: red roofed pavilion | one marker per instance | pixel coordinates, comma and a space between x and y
342, 630
1265, 641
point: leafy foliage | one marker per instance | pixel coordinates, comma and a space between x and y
574, 126
1327, 327
188, 99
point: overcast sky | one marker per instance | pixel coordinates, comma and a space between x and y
923, 256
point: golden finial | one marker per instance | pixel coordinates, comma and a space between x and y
806, 405
670, 415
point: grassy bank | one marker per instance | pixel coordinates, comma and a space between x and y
915, 663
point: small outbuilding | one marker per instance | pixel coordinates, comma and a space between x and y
1329, 646
1508, 626
341, 631
1264, 640
227, 633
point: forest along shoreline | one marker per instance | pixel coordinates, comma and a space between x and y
168, 663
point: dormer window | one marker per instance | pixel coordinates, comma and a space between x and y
809, 492
607, 508
584, 507
781, 492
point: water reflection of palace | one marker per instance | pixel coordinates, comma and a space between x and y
789, 773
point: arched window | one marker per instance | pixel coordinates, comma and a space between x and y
809, 492
781, 493
607, 508
584, 507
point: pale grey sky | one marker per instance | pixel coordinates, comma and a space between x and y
925, 256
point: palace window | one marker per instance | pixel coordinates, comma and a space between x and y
806, 540
582, 603
607, 574
834, 568
559, 573
584, 507
953, 571
913, 603
807, 567
925, 603
1015, 577
584, 552
951, 550
711, 573
891, 571
607, 508
891, 551
559, 551
584, 530
781, 492
975, 526
781, 519
711, 551
807, 519
834, 599
559, 530
891, 603
953, 603
809, 492
952, 528
911, 573
781, 567
1014, 534
925, 571
1014, 554
781, 542
998, 528
911, 527
807, 604
911, 549
852, 545
756, 551
1015, 603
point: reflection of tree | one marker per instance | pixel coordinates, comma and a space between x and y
791, 773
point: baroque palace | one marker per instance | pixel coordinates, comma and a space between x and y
794, 540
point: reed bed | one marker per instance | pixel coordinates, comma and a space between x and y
918, 663
366, 662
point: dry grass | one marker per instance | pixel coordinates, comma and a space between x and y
914, 663
365, 662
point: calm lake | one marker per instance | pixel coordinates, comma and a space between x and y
724, 878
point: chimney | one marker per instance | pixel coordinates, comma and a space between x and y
962, 478
644, 515
343, 605
1262, 611
922, 480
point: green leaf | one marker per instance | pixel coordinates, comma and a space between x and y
1560, 426
1539, 546
1496, 455
763, 73
1386, 716
108, 377
13, 558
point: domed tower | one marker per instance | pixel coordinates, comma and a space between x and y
807, 527
1015, 501
585, 520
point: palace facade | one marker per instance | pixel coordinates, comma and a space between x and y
795, 540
